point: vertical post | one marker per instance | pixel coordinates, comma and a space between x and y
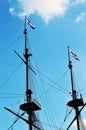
68, 54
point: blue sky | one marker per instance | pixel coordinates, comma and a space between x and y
58, 23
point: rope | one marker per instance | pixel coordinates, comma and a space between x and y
10, 44
10, 76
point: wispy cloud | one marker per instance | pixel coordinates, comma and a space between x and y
12, 10
47, 9
75, 2
81, 17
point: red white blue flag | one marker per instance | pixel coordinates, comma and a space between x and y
74, 55
29, 22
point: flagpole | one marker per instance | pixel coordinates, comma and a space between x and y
25, 32
25, 23
71, 74
68, 54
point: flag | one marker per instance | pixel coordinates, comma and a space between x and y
29, 22
74, 55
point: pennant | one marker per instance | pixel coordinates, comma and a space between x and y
29, 22
74, 55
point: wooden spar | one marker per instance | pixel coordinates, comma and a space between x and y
8, 109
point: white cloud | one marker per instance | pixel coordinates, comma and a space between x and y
81, 17
47, 9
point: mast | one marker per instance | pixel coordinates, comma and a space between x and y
75, 102
28, 91
30, 106
27, 56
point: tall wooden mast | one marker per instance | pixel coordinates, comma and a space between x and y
30, 106
75, 102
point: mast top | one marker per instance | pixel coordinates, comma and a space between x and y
25, 25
